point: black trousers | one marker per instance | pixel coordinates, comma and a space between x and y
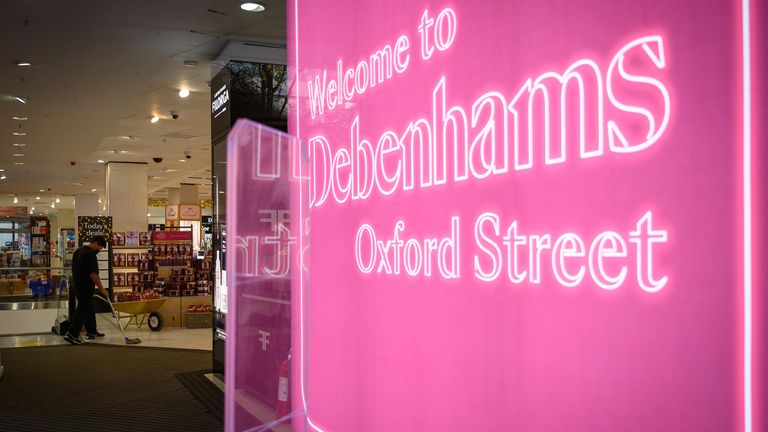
84, 313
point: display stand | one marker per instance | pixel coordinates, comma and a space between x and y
175, 276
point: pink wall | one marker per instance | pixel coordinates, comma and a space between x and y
597, 286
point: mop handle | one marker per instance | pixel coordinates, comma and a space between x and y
114, 314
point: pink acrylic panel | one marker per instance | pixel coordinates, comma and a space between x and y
529, 216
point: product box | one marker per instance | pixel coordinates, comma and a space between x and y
172, 249
158, 250
118, 279
132, 260
131, 238
118, 239
145, 238
118, 260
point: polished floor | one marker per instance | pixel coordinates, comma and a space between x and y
168, 337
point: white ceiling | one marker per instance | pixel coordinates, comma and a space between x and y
100, 70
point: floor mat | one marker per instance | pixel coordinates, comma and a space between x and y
204, 391
101, 388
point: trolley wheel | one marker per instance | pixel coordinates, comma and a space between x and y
155, 321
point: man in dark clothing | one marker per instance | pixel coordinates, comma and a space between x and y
85, 278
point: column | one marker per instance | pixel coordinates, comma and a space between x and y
126, 195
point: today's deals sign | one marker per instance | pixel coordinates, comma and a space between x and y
524, 216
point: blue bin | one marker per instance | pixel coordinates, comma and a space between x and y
35, 286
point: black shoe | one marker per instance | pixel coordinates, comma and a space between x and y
71, 339
94, 335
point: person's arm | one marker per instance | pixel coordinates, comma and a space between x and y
99, 285
94, 275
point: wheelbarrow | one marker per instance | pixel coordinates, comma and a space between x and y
140, 312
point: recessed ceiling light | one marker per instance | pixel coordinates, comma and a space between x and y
20, 99
154, 119
15, 200
20, 134
18, 163
19, 145
42, 190
58, 200
37, 198
190, 63
3, 177
53, 205
17, 118
182, 160
19, 154
23, 63
100, 161
252, 7
183, 92
93, 190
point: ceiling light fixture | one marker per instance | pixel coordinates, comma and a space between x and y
58, 200
183, 92
100, 161
15, 200
37, 198
19, 134
18, 163
53, 205
42, 190
20, 99
19, 145
190, 63
3, 177
23, 63
154, 119
182, 160
17, 118
93, 190
19, 154
252, 7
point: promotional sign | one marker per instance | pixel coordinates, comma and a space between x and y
171, 212
207, 224
260, 271
189, 212
13, 211
171, 236
530, 216
90, 226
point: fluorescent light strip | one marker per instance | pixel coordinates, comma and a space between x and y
747, 179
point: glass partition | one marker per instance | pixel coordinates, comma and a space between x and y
261, 259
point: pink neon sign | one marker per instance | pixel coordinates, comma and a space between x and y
523, 217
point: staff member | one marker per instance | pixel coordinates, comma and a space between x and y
85, 269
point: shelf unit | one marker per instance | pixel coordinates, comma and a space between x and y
40, 241
126, 268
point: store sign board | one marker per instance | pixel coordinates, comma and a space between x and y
189, 212
171, 236
221, 106
13, 211
172, 212
208, 224
525, 216
90, 226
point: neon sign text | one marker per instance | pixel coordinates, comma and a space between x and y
549, 118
